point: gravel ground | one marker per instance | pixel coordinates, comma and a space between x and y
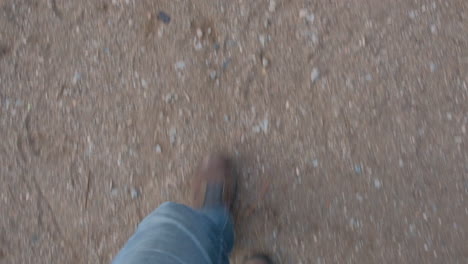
347, 120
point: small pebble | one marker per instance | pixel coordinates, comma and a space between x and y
170, 98
449, 116
377, 183
400, 163
303, 13
432, 67
144, 83
213, 75
76, 78
264, 125
226, 63
272, 6
256, 129
265, 62
158, 149
262, 40
134, 193
164, 17
314, 75
199, 33
34, 238
180, 65
359, 197
172, 135
315, 163
433, 29
358, 169
198, 45
114, 191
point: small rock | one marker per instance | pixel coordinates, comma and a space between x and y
144, 83
265, 62
114, 191
198, 45
76, 78
368, 77
172, 135
226, 63
377, 183
158, 148
458, 140
305, 14
226, 118
449, 116
199, 33
170, 98
401, 163
432, 67
134, 193
180, 65
358, 169
256, 129
315, 163
433, 29
262, 40
213, 75
272, 6
34, 239
314, 75
164, 17
359, 197
264, 125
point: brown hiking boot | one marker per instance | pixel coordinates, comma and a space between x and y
258, 259
214, 183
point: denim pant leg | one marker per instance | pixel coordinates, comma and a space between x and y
175, 233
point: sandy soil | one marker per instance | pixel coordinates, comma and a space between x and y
347, 120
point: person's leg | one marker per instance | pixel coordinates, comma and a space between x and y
175, 233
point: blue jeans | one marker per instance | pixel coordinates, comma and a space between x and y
175, 233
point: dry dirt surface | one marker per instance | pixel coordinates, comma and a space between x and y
347, 119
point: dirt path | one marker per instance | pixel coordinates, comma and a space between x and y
348, 121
